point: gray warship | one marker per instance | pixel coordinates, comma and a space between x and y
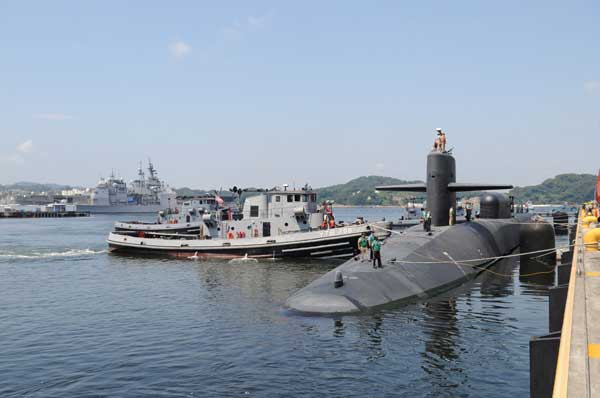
418, 263
143, 195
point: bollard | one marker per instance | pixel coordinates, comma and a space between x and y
339, 279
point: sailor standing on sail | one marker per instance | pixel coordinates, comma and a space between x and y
441, 140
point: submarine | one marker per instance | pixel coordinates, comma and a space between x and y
418, 264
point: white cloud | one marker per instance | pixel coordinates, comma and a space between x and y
14, 158
257, 22
25, 147
592, 86
20, 151
180, 49
52, 116
240, 28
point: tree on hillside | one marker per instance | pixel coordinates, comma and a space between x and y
574, 188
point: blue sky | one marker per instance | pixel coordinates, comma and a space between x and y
264, 93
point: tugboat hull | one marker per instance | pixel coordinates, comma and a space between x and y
338, 242
136, 227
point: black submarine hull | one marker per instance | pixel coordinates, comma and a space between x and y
416, 265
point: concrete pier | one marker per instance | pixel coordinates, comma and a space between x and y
578, 364
44, 214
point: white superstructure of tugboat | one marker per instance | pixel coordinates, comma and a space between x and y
274, 223
187, 217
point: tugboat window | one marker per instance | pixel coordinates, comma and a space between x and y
277, 198
253, 211
313, 197
290, 198
304, 198
296, 198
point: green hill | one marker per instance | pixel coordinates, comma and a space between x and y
361, 191
185, 191
33, 187
576, 188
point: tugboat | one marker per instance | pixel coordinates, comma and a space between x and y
413, 214
274, 223
186, 218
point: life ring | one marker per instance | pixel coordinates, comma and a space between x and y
141, 234
230, 235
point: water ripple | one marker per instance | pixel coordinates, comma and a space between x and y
129, 327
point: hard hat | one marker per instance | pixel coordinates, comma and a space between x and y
439, 130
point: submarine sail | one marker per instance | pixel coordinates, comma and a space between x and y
441, 186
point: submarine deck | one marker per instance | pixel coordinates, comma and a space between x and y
416, 264
578, 362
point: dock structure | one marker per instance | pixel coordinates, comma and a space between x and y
578, 363
44, 214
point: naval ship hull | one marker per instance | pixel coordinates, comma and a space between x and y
95, 209
332, 243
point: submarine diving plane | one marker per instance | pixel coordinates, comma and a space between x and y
418, 263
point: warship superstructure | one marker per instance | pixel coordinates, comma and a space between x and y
143, 195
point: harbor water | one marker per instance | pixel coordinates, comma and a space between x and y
77, 321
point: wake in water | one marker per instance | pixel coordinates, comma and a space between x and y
244, 259
4, 254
